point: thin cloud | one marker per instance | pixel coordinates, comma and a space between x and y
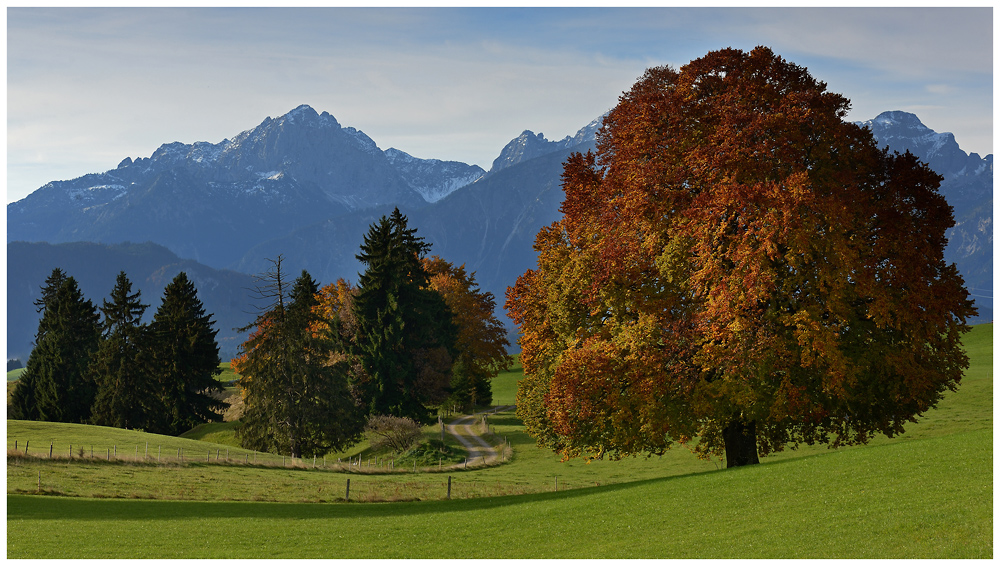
88, 87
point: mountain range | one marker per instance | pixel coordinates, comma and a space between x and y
306, 187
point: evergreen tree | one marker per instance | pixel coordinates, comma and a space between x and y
185, 356
405, 335
56, 385
126, 396
295, 383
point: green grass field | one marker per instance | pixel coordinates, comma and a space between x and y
925, 494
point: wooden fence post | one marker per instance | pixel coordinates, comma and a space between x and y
449, 487
70, 451
50, 450
26, 447
347, 495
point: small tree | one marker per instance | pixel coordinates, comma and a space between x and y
481, 343
185, 358
395, 433
295, 390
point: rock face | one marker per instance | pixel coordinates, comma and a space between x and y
530, 145
433, 179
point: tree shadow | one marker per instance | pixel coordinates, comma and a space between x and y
35, 507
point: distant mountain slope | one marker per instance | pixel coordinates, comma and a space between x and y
150, 267
489, 225
212, 202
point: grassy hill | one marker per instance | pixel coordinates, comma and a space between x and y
925, 494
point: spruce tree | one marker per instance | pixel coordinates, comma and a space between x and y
185, 356
294, 377
405, 335
56, 384
126, 395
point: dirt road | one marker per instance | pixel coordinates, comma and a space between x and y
465, 430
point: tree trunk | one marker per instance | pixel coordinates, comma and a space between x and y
741, 443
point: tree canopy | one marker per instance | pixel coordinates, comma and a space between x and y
185, 358
405, 337
296, 392
739, 269
481, 343
126, 392
56, 384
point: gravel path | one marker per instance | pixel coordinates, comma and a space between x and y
464, 430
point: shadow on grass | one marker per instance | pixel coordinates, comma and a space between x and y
41, 507
34, 507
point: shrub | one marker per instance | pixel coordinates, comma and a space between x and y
396, 433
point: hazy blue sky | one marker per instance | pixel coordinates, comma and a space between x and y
89, 87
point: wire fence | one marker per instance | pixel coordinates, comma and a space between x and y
146, 453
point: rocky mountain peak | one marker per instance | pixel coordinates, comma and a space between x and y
901, 131
530, 145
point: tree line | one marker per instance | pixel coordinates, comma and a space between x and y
106, 367
415, 333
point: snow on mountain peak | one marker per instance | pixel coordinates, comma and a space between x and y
433, 179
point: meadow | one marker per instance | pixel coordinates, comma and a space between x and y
924, 494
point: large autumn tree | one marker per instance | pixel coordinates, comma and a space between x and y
740, 269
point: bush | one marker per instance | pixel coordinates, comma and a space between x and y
396, 433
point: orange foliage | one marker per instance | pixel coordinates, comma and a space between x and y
737, 253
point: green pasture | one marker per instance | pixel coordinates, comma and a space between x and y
923, 499
924, 494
